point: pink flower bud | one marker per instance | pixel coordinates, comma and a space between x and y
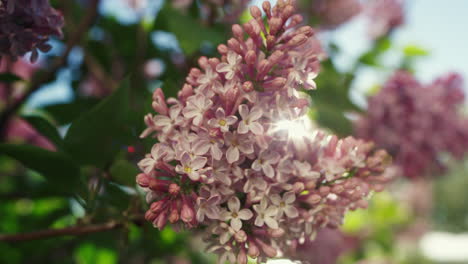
237, 31
314, 199
253, 250
297, 40
174, 189
287, 12
251, 57
150, 216
187, 213
159, 185
275, 25
222, 49
161, 220
276, 233
242, 256
234, 45
267, 249
240, 236
159, 102
255, 12
174, 213
143, 180
247, 87
324, 191
267, 8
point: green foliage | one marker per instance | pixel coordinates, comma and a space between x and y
46, 129
9, 78
56, 167
102, 128
190, 33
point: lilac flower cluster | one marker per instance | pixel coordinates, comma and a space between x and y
26, 25
384, 16
333, 13
237, 154
417, 122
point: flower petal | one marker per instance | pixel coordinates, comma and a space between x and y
291, 211
234, 204
256, 128
245, 214
236, 224
232, 154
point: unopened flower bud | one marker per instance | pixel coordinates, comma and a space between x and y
240, 236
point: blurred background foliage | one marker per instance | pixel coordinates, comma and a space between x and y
88, 177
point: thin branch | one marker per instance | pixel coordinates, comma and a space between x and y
49, 75
70, 231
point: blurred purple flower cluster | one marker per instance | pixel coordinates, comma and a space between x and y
333, 13
17, 129
238, 155
26, 25
227, 11
384, 16
416, 122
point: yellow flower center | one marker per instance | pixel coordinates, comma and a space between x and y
234, 215
282, 204
187, 169
222, 122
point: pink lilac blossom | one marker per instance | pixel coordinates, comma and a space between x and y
333, 13
384, 16
26, 25
416, 122
254, 189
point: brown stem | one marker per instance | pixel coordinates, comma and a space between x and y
69, 231
49, 75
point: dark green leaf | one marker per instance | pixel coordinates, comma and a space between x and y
96, 136
66, 113
56, 167
9, 78
46, 129
189, 32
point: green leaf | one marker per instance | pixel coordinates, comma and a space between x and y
96, 136
9, 78
189, 32
56, 167
46, 129
66, 113
415, 51
124, 172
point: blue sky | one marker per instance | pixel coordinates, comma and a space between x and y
437, 25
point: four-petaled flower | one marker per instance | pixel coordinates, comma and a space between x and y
236, 215
222, 121
167, 123
196, 108
208, 207
191, 166
266, 214
232, 65
237, 144
264, 162
250, 120
285, 204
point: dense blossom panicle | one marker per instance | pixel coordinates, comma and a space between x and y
238, 155
333, 13
384, 16
416, 122
26, 25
